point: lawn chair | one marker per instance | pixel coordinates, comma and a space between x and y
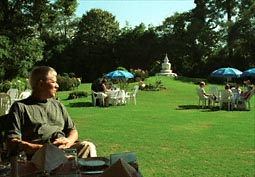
5, 103
14, 94
223, 99
98, 97
132, 95
247, 102
24, 94
117, 97
201, 98
214, 90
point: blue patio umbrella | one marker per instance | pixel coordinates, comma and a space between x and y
227, 73
119, 74
249, 72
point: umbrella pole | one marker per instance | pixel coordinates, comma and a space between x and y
228, 79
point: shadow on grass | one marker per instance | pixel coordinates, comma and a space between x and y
216, 108
187, 107
81, 104
190, 80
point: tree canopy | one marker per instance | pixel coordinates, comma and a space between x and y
214, 34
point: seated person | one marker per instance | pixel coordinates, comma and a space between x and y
40, 119
246, 83
103, 86
104, 89
226, 96
236, 92
96, 85
244, 95
111, 86
210, 97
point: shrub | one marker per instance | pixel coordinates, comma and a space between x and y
157, 86
77, 94
139, 74
121, 68
19, 83
5, 86
67, 83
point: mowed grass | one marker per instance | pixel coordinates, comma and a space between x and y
169, 133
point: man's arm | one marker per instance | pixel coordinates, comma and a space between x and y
17, 145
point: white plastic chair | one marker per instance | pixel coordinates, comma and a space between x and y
98, 96
24, 94
5, 103
224, 98
114, 96
213, 90
117, 97
132, 94
247, 101
14, 94
201, 98
122, 97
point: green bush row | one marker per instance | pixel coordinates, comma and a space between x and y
65, 83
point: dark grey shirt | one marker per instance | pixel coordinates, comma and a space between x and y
35, 121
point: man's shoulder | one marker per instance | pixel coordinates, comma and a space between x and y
23, 102
54, 101
31, 102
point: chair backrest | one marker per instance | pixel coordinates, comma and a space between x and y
225, 96
122, 96
24, 94
213, 90
97, 96
14, 93
220, 93
114, 94
5, 103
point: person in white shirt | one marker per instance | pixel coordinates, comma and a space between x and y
236, 92
208, 96
226, 96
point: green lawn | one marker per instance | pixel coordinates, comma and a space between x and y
169, 134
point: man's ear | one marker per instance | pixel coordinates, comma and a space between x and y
40, 83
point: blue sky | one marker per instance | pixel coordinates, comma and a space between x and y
137, 11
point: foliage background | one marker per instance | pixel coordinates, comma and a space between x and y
214, 34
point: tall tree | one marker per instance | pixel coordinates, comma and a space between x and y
234, 25
188, 40
243, 31
25, 23
136, 47
93, 44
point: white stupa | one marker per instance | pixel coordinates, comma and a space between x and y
166, 69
